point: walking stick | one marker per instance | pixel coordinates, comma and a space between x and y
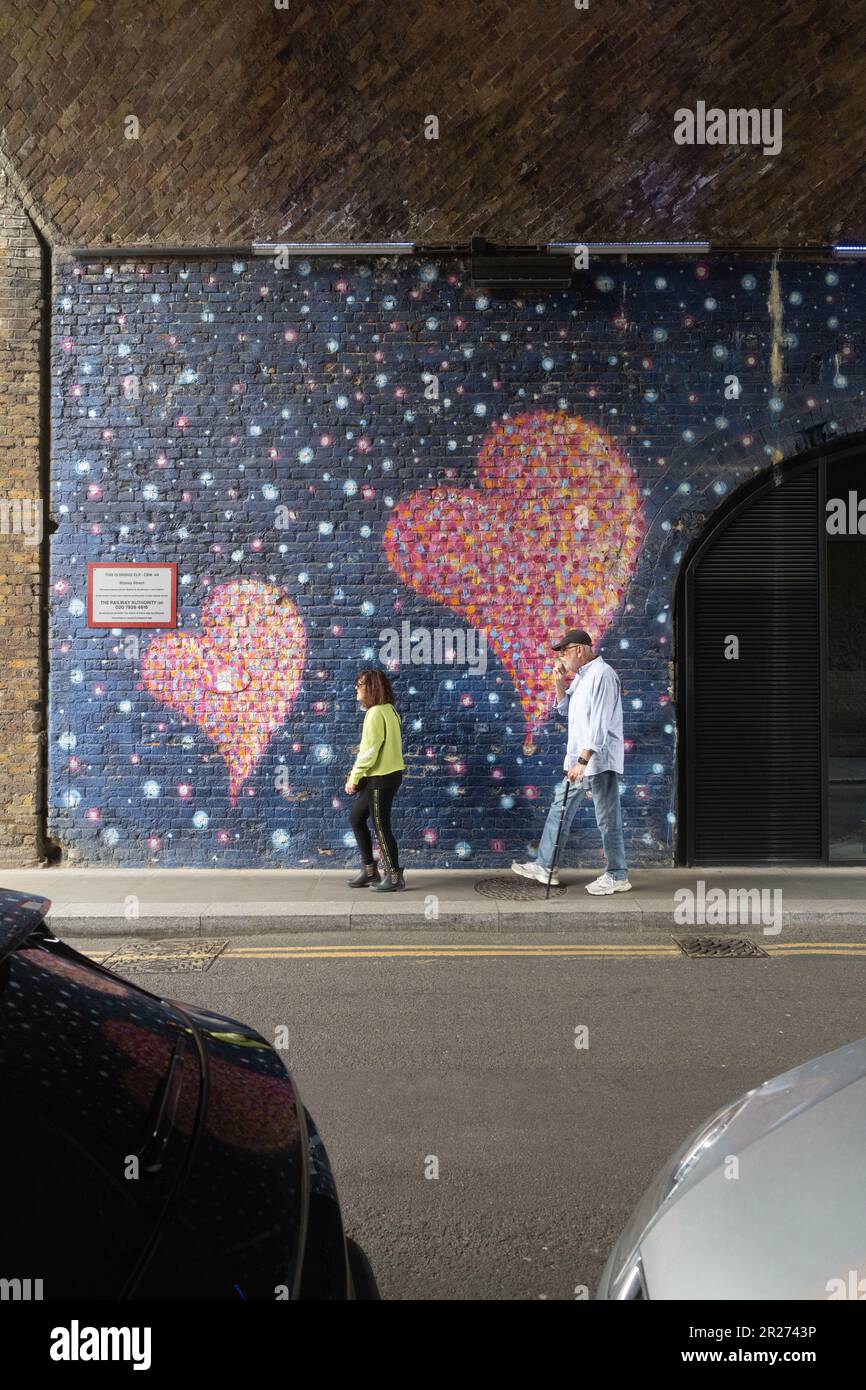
558, 836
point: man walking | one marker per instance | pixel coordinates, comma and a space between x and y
588, 693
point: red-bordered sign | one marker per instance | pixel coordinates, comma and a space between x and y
131, 594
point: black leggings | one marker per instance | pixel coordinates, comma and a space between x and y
374, 801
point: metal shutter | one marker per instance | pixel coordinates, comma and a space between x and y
754, 731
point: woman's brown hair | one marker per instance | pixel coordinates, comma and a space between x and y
377, 687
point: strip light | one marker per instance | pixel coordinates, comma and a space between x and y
408, 248
642, 248
334, 248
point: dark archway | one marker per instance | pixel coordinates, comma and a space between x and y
771, 671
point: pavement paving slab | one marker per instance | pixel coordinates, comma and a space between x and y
205, 902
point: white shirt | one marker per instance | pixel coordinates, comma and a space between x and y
593, 703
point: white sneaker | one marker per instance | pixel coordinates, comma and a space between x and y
606, 884
536, 871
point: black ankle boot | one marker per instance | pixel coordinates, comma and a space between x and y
389, 886
364, 880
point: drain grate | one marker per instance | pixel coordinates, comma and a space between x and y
718, 946
516, 890
165, 957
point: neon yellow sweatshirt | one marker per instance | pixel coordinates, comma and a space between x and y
381, 747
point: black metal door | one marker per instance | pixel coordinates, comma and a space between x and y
753, 779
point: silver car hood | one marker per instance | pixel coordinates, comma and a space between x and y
793, 1219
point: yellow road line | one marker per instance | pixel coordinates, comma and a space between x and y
448, 951
301, 952
561, 953
820, 951
471, 946
515, 950
453, 955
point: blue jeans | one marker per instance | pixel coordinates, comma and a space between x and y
608, 816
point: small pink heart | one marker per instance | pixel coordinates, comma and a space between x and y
549, 539
238, 678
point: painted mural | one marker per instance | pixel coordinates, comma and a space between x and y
237, 679
349, 461
552, 525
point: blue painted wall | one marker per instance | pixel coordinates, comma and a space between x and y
266, 427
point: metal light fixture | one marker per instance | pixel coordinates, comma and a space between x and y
634, 248
334, 248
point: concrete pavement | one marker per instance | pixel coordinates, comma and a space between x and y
207, 902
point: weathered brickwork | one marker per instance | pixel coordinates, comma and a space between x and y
336, 449
21, 718
214, 124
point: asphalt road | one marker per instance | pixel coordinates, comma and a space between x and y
542, 1147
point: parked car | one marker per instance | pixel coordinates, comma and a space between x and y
764, 1201
151, 1149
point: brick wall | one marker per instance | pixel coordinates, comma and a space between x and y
21, 721
334, 450
210, 124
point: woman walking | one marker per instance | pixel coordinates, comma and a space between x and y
376, 777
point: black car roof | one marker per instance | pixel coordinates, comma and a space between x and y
19, 914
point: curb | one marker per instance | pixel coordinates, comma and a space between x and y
182, 920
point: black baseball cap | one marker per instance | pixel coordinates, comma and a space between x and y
574, 635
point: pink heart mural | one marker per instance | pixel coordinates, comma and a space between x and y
237, 679
549, 538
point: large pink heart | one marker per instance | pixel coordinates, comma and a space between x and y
549, 539
238, 678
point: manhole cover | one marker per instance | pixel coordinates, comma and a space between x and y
718, 946
167, 957
517, 890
